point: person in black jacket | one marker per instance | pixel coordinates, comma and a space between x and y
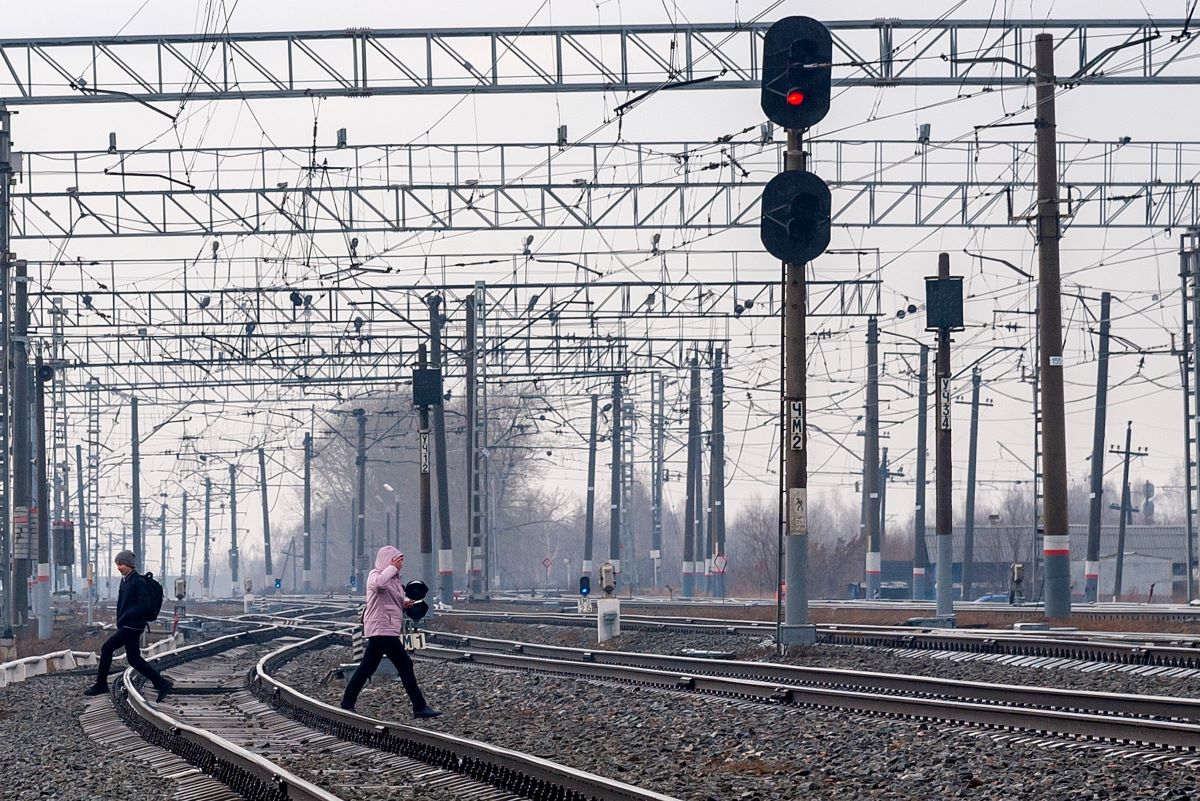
132, 600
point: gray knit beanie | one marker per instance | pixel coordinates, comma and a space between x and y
126, 558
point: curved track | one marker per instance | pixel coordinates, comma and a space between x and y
229, 718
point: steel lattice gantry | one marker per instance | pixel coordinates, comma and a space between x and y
337, 335
604, 186
358, 62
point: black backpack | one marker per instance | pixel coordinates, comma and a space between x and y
154, 597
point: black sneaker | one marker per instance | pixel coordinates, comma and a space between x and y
164, 688
96, 689
426, 712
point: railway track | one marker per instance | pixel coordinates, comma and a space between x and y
1150, 721
1167, 651
230, 720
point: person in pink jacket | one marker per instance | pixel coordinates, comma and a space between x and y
383, 623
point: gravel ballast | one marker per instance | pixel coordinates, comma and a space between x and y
48, 755
698, 747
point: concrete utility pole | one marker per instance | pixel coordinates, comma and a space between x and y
589, 527
692, 499
233, 531
308, 513
614, 507
1091, 568
1056, 545
426, 531
871, 460
972, 457
716, 481
360, 516
136, 455
445, 543
920, 550
45, 618
1126, 508
206, 586
269, 580
943, 467
795, 629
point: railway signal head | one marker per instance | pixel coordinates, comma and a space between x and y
585, 585
796, 209
608, 578
796, 79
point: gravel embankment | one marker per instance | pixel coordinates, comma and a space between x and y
842, 657
703, 748
48, 756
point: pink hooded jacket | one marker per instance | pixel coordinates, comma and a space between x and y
384, 616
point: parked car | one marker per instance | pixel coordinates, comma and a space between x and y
992, 598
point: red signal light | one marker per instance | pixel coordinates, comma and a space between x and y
795, 97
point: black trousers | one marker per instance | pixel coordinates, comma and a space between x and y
127, 639
377, 648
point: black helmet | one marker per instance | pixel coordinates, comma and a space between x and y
416, 589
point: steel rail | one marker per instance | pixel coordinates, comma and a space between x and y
925, 638
1095, 727
1150, 706
501, 767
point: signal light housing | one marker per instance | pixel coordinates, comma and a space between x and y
796, 208
796, 72
585, 585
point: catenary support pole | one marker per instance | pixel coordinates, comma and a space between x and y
8, 552
474, 467
325, 551
943, 468
183, 553
589, 528
307, 575
691, 497
871, 460
1056, 545
445, 541
135, 447
968, 563
716, 482
233, 530
162, 544
658, 435
206, 581
268, 568
45, 625
24, 533
1091, 567
614, 507
920, 549
87, 566
360, 514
